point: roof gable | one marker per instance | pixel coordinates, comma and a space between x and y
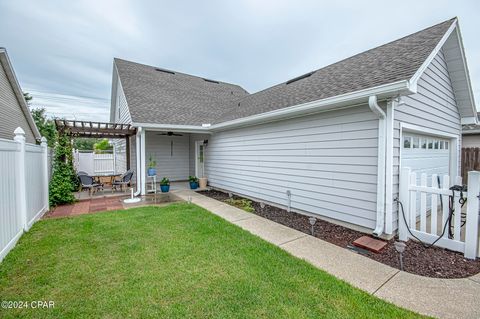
167, 97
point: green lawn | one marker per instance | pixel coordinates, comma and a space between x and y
173, 262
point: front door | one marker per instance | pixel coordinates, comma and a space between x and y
199, 159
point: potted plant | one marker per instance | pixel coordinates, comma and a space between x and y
165, 185
152, 164
193, 182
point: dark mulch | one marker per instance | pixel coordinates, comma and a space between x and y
431, 262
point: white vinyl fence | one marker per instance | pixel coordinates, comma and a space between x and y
428, 212
23, 188
93, 163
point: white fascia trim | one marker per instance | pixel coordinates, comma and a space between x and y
113, 99
418, 74
173, 128
12, 78
382, 91
467, 72
469, 120
347, 100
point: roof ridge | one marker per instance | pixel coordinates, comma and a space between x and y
181, 73
352, 56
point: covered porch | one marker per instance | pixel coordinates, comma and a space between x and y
175, 154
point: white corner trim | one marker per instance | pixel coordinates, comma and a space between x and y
414, 80
389, 168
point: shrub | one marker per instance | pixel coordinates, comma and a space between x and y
64, 181
241, 203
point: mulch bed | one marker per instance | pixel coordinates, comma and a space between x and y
431, 262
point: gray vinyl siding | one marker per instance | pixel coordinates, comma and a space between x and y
328, 161
11, 113
171, 162
122, 115
433, 107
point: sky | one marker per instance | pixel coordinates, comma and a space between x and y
62, 51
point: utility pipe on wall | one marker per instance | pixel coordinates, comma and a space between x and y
382, 128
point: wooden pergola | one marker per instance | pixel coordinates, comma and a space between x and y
89, 129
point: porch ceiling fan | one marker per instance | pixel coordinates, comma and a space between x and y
170, 134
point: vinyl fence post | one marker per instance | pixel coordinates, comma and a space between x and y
404, 199
45, 173
20, 181
471, 226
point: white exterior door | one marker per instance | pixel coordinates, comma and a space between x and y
426, 154
199, 159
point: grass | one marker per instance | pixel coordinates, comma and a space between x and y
172, 262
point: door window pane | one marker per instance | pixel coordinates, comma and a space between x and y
423, 143
415, 142
446, 145
407, 142
430, 144
442, 145
435, 144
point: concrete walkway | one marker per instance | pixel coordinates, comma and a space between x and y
443, 298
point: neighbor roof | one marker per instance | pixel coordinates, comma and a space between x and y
180, 99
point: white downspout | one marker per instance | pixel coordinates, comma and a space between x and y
382, 128
138, 158
142, 163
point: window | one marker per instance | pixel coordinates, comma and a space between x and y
446, 145
442, 145
435, 144
407, 142
423, 143
430, 144
415, 142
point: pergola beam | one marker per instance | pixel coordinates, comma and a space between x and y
95, 129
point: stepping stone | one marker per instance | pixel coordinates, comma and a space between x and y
369, 243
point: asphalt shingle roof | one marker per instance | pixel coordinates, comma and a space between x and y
158, 97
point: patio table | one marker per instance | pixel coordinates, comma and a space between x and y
105, 178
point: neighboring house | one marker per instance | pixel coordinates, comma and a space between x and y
471, 135
335, 137
14, 110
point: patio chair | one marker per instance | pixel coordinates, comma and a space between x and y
82, 173
87, 182
123, 182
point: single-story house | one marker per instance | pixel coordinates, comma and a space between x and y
329, 143
14, 110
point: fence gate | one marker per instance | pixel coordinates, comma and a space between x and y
93, 163
427, 214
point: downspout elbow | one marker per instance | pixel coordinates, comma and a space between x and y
380, 220
375, 108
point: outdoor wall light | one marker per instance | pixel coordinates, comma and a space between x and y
400, 248
312, 221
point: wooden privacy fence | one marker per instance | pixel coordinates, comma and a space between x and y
23, 187
427, 211
470, 161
